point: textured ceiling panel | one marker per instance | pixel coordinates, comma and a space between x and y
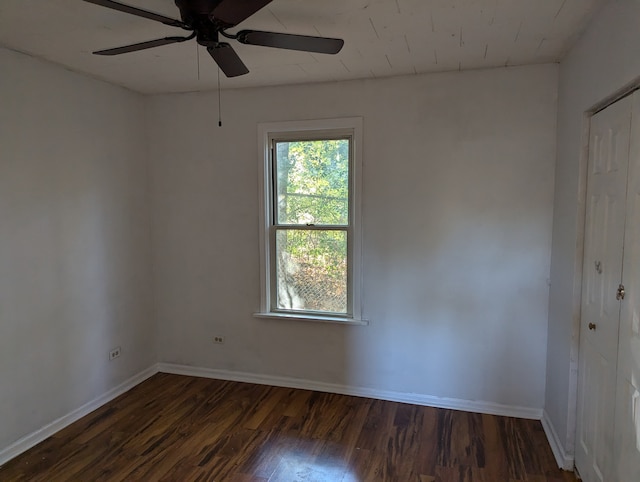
382, 38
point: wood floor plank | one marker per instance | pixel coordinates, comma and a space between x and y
427, 431
496, 464
376, 429
366, 465
176, 428
461, 473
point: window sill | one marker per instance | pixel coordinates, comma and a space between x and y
313, 318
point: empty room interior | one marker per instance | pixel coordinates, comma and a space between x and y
346, 240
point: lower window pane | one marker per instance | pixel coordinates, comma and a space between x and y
311, 270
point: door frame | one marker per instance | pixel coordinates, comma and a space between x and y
574, 351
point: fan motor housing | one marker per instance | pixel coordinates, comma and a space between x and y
198, 7
197, 14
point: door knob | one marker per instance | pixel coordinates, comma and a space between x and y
592, 326
620, 293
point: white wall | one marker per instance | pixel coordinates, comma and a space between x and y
604, 60
457, 206
74, 242
458, 176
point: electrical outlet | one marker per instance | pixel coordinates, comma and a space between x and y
115, 353
218, 339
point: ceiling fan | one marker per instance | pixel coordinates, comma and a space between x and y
208, 20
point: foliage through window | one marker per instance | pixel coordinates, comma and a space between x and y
310, 240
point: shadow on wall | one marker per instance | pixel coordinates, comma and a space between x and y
455, 284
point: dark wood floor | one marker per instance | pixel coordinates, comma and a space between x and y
175, 428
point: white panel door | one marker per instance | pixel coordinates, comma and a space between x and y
602, 272
627, 428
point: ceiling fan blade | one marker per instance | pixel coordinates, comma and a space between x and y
232, 12
142, 45
138, 12
322, 45
228, 60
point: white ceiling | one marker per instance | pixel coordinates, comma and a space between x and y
382, 38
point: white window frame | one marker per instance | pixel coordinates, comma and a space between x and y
351, 126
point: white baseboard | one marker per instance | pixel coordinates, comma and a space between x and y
34, 438
565, 461
414, 398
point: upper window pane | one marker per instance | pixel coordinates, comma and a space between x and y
312, 182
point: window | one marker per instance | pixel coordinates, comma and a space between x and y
310, 220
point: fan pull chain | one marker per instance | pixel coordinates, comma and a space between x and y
219, 106
198, 59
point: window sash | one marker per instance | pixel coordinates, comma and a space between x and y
305, 137
273, 275
275, 226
